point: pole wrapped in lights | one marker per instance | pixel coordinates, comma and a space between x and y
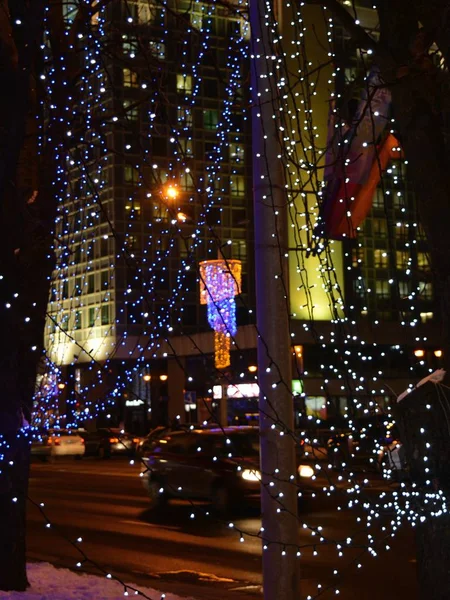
220, 282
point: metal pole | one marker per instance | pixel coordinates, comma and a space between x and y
281, 577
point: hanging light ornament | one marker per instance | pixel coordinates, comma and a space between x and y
220, 282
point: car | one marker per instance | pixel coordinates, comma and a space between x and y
218, 465
66, 442
105, 443
41, 444
160, 431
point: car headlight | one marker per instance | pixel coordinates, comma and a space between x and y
251, 475
305, 471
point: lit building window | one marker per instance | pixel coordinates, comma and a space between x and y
425, 290
236, 152
184, 84
423, 261
378, 199
92, 311
401, 259
130, 174
237, 185
130, 46
184, 116
105, 279
379, 227
142, 11
186, 182
133, 205
131, 112
157, 49
382, 288
210, 119
78, 320
404, 288
380, 258
91, 284
65, 322
130, 78
426, 316
105, 314
185, 146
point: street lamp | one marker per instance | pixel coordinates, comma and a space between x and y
171, 191
147, 377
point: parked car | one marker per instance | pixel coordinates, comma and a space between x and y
108, 442
221, 466
160, 431
66, 442
41, 444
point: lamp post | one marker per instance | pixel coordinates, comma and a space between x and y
277, 455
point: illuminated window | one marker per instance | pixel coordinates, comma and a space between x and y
239, 249
357, 255
237, 185
184, 84
378, 199
379, 227
404, 288
382, 288
401, 259
78, 320
130, 45
380, 259
160, 212
69, 9
425, 290
423, 261
426, 316
236, 152
184, 116
104, 279
185, 146
92, 311
401, 230
91, 283
186, 182
131, 112
65, 322
130, 174
132, 206
130, 78
95, 16
142, 11
157, 49
105, 314
77, 287
210, 119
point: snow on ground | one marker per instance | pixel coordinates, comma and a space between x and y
49, 583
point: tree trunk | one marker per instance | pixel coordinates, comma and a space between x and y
423, 418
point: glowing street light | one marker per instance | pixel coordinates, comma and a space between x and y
171, 192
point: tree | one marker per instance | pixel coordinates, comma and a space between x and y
28, 214
412, 54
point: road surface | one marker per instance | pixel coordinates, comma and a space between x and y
183, 551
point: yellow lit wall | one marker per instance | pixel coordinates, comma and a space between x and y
309, 280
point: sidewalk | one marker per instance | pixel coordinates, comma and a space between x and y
49, 583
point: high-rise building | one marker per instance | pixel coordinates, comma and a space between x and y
159, 179
159, 165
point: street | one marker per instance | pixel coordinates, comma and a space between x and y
182, 550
